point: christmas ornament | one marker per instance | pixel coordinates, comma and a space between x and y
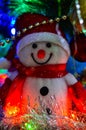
39, 54
42, 53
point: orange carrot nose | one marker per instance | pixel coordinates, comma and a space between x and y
41, 54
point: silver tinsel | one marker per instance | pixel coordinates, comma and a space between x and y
42, 119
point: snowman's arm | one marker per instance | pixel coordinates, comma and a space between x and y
4, 90
76, 86
78, 96
12, 75
4, 63
70, 79
77, 92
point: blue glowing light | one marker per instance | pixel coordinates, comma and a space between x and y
13, 21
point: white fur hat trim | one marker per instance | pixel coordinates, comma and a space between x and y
43, 37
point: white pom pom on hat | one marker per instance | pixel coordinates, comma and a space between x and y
41, 30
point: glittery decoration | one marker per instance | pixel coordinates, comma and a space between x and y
39, 119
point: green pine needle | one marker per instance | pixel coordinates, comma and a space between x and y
18, 7
45, 7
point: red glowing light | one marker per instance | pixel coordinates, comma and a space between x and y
11, 110
73, 116
3, 76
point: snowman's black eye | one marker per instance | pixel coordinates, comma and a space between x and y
34, 45
48, 45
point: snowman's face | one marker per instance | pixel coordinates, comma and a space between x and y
42, 53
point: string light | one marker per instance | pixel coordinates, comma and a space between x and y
13, 31
18, 34
81, 21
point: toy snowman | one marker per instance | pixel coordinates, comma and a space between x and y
41, 56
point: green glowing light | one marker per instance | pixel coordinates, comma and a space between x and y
84, 31
2, 71
32, 1
18, 7
59, 1
59, 8
31, 125
28, 126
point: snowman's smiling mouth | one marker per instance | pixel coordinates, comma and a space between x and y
42, 62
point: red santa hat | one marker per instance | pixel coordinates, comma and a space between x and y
37, 28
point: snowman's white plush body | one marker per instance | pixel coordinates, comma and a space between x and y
50, 90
